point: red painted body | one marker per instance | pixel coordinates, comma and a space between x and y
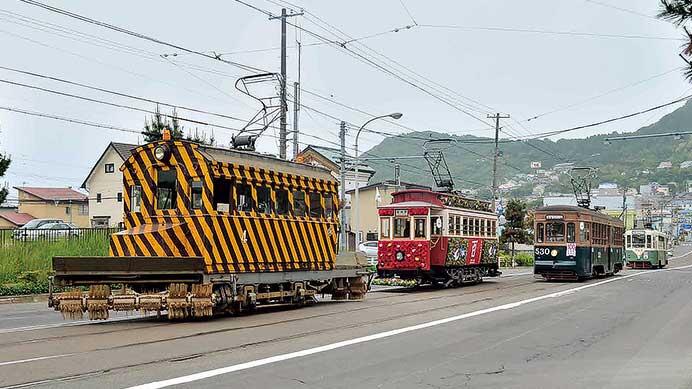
417, 254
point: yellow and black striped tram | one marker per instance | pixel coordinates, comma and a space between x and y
210, 229
572, 243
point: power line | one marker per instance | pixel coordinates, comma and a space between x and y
621, 9
70, 120
139, 35
408, 12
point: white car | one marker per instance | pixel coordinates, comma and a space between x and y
370, 250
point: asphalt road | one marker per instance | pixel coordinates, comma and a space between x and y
627, 331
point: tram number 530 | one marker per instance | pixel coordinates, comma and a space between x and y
541, 251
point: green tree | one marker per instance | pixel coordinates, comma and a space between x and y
4, 165
153, 129
679, 12
515, 225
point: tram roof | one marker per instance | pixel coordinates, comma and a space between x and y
574, 208
412, 204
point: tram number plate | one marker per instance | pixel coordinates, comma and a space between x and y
571, 249
542, 251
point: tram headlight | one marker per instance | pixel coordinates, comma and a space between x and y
399, 256
161, 153
553, 253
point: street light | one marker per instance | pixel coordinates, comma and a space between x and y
356, 204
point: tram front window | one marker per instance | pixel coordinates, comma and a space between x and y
554, 232
638, 241
402, 228
419, 231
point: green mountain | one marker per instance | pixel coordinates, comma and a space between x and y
630, 162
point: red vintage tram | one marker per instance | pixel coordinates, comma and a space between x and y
438, 238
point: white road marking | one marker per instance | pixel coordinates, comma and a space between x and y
34, 359
516, 274
66, 324
381, 335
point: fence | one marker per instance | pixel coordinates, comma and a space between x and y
9, 236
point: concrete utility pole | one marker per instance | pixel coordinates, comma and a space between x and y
497, 118
342, 189
296, 108
283, 134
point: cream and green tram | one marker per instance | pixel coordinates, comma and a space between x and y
646, 248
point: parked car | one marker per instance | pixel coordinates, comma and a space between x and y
24, 231
370, 250
59, 229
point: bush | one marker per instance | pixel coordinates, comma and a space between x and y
393, 282
521, 259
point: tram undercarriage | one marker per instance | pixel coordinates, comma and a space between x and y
447, 277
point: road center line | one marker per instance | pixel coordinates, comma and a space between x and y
380, 335
34, 359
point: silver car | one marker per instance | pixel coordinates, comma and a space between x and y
370, 250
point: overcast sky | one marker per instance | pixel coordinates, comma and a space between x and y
629, 63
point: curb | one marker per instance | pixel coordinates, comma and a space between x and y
23, 299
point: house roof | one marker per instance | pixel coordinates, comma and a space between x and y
124, 150
14, 217
334, 155
405, 185
53, 194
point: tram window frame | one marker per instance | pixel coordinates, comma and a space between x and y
481, 224
640, 244
166, 199
571, 233
418, 222
196, 194
243, 197
584, 232
328, 206
299, 205
283, 204
556, 238
628, 241
661, 243
315, 209
136, 198
404, 222
457, 225
488, 228
450, 224
223, 192
493, 225
465, 223
385, 225
540, 233
648, 241
264, 200
434, 229
476, 227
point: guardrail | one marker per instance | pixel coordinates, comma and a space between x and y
11, 236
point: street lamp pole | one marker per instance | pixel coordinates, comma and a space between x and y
355, 210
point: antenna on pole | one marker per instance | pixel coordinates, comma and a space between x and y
581, 178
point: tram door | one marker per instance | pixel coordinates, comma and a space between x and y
609, 248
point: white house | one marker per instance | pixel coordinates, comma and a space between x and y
105, 186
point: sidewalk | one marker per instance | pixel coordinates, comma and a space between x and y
515, 271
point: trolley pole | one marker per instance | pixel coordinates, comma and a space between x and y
497, 118
343, 246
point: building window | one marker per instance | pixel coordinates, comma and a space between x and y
244, 197
120, 197
68, 210
136, 198
98, 197
264, 200
299, 207
83, 209
196, 195
282, 204
166, 186
315, 204
110, 168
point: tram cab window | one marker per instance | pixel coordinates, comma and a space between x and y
222, 194
243, 197
436, 225
196, 194
166, 186
419, 228
539, 233
555, 232
571, 235
638, 240
328, 206
136, 198
264, 200
282, 204
315, 204
384, 227
648, 241
402, 228
299, 207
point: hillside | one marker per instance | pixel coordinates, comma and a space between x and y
624, 162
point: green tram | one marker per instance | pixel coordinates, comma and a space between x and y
646, 248
575, 243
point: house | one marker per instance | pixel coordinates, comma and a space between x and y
105, 185
330, 158
370, 197
686, 165
60, 203
12, 218
665, 165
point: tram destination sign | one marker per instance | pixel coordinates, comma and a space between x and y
554, 217
401, 212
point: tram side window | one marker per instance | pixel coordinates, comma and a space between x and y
436, 225
243, 197
419, 228
384, 228
584, 233
264, 200
493, 227
629, 240
489, 228
282, 204
571, 235
315, 204
328, 206
466, 227
166, 186
450, 225
555, 232
476, 227
222, 194
299, 207
540, 233
457, 225
196, 194
661, 243
648, 241
402, 228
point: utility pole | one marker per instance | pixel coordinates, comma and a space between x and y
296, 108
343, 246
283, 134
497, 118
